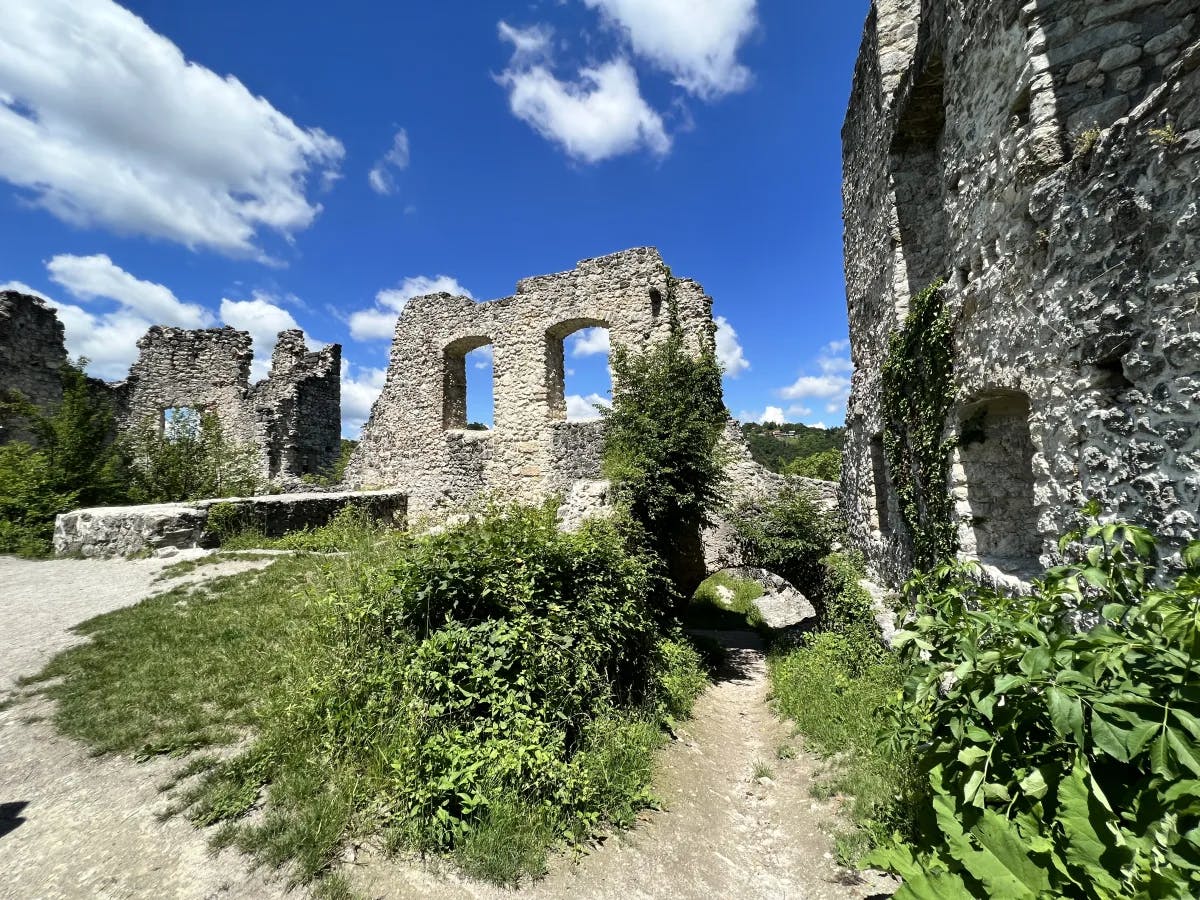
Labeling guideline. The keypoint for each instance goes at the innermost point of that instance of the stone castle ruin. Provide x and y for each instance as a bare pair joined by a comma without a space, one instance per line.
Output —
292,417
1043,158
417,437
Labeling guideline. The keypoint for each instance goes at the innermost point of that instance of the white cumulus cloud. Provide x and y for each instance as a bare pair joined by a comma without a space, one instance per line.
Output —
695,41
90,277
772,414
585,409
831,382
264,318
599,115
590,342
729,350
108,337
105,122
360,388
379,323
380,177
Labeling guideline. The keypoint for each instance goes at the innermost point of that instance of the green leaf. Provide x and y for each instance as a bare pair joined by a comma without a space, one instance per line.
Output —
1188,721
1034,784
1008,867
1191,557
1185,750
1084,820
970,755
1066,713
1035,661
1109,738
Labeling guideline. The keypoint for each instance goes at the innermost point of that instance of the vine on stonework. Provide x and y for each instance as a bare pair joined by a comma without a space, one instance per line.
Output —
918,395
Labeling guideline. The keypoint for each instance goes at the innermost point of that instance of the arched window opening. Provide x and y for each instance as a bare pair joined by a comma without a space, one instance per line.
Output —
995,452
468,389
578,377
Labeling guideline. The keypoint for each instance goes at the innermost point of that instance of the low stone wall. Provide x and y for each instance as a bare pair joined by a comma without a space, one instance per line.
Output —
126,530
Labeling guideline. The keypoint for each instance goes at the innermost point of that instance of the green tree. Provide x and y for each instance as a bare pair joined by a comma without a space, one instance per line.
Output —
826,465
661,448
73,463
189,459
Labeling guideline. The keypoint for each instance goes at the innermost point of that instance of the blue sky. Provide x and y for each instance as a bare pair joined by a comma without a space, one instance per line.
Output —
272,164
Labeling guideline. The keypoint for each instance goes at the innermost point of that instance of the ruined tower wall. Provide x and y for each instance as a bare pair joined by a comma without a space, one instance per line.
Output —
416,437
1044,159
292,417
32,353
203,369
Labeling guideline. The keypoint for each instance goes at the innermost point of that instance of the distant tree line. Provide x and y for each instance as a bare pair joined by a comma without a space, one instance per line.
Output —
796,449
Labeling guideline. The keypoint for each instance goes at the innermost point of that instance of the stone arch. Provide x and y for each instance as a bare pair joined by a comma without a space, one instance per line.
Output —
556,335
995,483
454,379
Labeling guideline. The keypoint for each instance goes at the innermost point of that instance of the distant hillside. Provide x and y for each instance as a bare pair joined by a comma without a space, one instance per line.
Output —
775,446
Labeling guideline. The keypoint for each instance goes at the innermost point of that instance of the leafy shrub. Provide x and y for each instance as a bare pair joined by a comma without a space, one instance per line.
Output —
826,465
483,691
191,460
30,497
661,448
788,535
842,603
1060,762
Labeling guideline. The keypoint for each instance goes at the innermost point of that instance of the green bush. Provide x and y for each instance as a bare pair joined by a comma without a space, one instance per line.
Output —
484,691
788,535
190,460
835,686
1060,762
661,448
31,495
842,603
826,465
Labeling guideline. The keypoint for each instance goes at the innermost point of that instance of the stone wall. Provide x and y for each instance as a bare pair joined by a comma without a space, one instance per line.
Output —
32,353
1044,159
126,530
416,438
293,416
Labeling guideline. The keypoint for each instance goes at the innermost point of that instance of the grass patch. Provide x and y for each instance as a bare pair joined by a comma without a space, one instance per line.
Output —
344,531
833,686
762,770
486,693
182,670
724,603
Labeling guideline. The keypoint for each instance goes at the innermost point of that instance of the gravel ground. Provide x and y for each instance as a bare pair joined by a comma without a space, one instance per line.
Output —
74,825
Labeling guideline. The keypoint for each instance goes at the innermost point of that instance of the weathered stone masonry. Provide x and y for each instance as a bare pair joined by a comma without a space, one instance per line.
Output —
293,416
416,437
32,354
1044,158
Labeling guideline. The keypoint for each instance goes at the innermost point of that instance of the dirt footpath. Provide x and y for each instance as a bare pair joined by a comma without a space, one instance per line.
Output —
74,825
723,833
